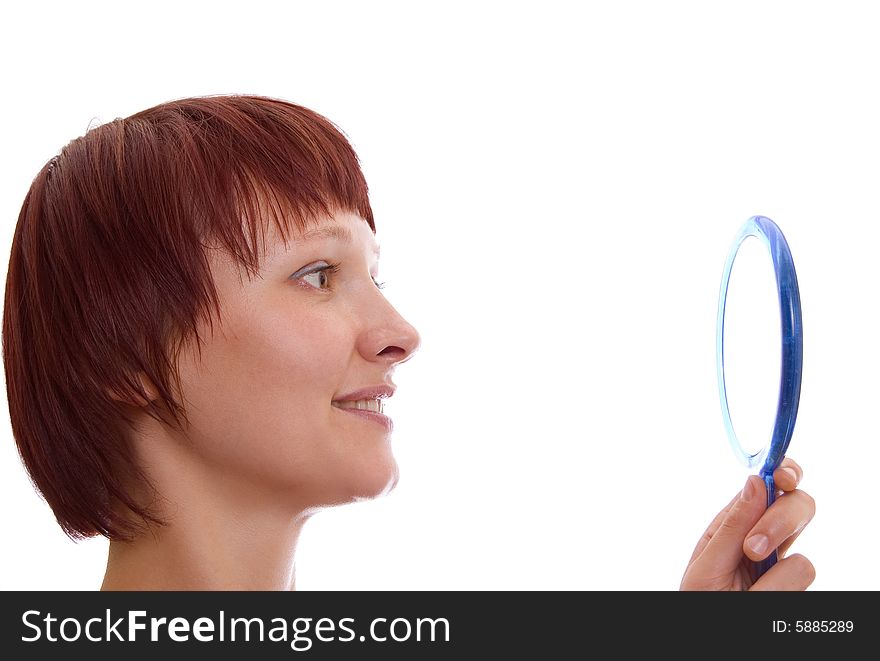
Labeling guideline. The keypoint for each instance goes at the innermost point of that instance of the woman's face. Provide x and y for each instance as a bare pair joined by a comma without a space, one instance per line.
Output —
285,394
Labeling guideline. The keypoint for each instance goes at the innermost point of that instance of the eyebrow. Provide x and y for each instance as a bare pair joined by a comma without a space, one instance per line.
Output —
330,232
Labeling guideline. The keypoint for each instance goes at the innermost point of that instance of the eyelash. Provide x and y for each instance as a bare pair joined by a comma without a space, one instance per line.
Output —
333,268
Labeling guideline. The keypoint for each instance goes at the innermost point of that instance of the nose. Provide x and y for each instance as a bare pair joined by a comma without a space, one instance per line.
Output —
390,338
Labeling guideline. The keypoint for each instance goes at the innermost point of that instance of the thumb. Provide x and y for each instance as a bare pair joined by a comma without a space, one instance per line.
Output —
725,550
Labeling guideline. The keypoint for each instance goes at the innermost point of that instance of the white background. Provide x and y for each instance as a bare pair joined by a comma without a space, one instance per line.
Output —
556,186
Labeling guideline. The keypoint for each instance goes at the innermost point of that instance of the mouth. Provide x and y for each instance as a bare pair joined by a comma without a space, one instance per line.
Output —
374,405
367,404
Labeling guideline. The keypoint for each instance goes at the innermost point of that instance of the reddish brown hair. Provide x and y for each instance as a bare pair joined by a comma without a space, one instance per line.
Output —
108,276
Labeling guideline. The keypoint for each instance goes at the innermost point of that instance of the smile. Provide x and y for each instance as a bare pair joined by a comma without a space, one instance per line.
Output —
374,405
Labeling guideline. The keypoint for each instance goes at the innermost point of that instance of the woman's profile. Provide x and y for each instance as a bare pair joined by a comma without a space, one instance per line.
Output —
197,351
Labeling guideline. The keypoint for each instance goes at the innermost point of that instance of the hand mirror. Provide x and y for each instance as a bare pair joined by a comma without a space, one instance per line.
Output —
759,350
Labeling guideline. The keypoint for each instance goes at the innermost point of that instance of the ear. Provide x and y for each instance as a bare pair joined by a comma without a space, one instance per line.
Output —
135,399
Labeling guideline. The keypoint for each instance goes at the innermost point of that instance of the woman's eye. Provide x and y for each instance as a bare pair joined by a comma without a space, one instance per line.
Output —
316,275
318,279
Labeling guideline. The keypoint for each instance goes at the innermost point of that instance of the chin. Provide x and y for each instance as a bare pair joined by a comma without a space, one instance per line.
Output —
364,480
378,481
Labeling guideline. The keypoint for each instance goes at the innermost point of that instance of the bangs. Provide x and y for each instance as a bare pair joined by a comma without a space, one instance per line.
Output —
243,162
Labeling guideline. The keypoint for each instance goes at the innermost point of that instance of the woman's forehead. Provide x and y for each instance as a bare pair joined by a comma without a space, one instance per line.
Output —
263,248
344,227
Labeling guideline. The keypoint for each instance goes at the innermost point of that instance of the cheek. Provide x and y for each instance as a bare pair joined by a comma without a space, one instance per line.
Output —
260,397
311,352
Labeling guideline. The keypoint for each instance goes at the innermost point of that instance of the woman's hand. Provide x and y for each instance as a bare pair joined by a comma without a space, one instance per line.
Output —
746,530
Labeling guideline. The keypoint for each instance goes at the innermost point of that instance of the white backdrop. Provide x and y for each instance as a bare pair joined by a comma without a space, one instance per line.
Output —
556,185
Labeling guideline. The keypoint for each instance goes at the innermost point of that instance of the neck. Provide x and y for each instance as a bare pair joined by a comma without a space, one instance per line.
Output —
221,532
253,555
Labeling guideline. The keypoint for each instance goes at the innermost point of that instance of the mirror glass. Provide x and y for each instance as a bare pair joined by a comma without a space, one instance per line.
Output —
752,345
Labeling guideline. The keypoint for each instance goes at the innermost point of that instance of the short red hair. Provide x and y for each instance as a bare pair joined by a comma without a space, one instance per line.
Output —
108,276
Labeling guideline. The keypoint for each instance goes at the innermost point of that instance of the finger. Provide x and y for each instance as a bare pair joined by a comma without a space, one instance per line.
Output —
784,519
723,551
783,548
788,475
792,573
712,528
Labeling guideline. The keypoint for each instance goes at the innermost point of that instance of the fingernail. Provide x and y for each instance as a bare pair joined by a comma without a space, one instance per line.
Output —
792,473
748,491
758,543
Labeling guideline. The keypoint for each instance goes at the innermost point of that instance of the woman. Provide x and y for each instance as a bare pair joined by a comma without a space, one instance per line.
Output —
196,417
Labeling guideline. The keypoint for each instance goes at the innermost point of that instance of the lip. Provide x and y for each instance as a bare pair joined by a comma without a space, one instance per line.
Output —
379,418
380,391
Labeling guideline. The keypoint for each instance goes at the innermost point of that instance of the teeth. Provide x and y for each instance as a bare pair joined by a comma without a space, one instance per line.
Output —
374,405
